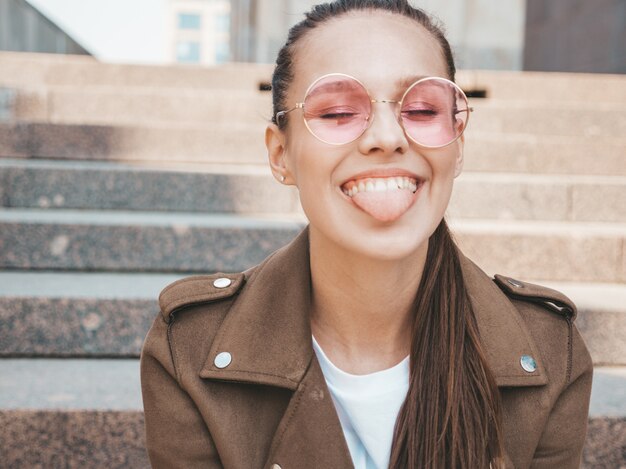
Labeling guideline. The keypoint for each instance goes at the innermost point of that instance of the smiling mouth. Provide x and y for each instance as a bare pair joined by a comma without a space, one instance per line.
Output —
384,198
379,184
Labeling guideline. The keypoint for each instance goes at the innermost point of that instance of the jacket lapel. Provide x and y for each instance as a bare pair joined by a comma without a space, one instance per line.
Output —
310,435
267,330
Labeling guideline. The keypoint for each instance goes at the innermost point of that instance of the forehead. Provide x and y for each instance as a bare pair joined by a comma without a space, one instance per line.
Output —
385,51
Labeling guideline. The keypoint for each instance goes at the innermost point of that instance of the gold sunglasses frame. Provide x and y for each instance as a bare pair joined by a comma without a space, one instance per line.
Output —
371,116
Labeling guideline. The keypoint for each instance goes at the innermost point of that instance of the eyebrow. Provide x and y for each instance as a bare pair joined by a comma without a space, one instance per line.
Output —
342,85
333,86
405,82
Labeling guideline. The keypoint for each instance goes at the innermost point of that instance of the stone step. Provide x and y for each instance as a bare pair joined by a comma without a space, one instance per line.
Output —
516,152
146,241
153,106
549,119
237,145
129,186
533,153
89,413
76,314
49,70
601,318
565,251
161,241
584,88
112,105
76,384
64,314
539,197
55,438
252,189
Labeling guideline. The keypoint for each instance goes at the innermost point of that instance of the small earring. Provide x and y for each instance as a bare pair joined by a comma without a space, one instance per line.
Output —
282,178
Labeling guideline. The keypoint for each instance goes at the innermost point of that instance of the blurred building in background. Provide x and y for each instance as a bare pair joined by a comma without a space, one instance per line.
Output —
260,27
484,34
555,35
24,29
575,36
199,31
559,35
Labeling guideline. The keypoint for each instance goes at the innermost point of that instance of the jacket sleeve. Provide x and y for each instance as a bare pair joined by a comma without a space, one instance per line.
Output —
176,435
563,437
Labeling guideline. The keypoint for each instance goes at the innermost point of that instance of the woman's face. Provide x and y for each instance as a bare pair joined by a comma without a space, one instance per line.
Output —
386,52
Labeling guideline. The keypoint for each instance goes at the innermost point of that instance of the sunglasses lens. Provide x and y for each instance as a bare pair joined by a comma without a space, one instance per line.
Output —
337,109
434,112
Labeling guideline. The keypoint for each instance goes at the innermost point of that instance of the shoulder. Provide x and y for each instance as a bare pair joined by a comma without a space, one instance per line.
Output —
549,316
547,298
191,310
209,292
198,290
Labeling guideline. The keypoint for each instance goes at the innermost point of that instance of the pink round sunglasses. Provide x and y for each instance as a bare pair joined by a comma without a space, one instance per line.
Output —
337,109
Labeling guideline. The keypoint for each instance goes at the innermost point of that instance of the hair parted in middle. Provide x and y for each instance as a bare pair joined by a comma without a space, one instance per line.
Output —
320,14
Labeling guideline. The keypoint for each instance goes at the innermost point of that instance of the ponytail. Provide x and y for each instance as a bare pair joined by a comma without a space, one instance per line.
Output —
451,415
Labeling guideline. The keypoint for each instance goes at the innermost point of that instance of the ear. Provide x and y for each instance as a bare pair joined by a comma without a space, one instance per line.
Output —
458,164
277,152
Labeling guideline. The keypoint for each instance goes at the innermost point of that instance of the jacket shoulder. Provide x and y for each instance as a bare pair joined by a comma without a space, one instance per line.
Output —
198,289
548,298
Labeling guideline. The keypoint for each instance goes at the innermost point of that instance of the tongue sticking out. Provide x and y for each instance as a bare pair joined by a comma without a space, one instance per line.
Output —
384,206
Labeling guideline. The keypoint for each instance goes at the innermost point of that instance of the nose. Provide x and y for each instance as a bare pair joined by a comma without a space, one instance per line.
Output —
385,134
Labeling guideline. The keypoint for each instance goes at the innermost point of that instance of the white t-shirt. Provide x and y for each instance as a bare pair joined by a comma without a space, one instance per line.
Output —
367,406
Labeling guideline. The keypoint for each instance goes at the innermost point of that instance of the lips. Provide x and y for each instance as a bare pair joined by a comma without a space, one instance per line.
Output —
385,197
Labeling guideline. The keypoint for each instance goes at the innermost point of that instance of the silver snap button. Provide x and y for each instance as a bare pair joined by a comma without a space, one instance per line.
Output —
515,283
528,363
221,282
223,359
276,466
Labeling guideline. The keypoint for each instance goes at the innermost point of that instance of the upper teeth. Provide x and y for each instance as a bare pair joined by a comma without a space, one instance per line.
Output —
379,185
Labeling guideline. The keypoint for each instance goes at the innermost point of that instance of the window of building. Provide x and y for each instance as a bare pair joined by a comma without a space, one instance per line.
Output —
222,22
188,52
222,52
189,21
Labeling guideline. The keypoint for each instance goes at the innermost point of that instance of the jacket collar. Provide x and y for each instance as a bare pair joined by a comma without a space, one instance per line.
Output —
268,334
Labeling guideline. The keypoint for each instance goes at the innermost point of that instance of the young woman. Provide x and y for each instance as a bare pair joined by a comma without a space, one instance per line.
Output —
370,341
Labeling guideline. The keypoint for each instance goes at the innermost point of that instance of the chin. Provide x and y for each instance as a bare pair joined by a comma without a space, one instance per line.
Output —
392,245
395,241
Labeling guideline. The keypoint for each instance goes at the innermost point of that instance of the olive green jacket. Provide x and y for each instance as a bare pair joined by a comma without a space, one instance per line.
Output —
265,404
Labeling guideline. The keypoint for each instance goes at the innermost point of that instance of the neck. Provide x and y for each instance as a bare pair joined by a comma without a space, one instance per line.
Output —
361,311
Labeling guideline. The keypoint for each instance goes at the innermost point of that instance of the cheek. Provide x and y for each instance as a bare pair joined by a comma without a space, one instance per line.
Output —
443,162
311,166
315,167
443,165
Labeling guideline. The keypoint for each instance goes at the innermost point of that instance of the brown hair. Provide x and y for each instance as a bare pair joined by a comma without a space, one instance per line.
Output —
452,412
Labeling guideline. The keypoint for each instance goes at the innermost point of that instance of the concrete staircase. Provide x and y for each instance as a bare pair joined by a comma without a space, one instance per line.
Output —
118,179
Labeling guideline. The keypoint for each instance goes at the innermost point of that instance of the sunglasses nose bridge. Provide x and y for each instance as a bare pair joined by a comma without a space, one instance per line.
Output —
395,110
396,104
384,101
